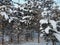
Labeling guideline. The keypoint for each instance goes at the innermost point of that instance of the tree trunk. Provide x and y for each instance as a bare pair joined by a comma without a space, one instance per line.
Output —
11,39
32,35
26,38
3,38
47,42
38,37
53,43
18,37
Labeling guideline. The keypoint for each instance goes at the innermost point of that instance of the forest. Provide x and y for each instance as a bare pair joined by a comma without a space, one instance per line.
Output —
32,21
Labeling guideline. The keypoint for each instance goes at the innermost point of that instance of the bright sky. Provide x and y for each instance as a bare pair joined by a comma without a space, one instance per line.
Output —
22,1
58,2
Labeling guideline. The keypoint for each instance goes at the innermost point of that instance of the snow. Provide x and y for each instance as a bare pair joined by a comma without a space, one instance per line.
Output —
45,9
22,20
5,15
41,35
21,8
6,38
41,28
14,11
44,13
48,0
39,6
57,36
11,18
43,21
30,10
15,5
49,11
47,30
21,12
10,11
53,23
25,9
3,6
26,17
54,6
40,3
59,7
57,23
33,43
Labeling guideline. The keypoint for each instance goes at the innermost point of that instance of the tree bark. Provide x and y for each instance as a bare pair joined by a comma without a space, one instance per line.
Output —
18,37
3,38
38,37
11,39
47,42
53,43
32,35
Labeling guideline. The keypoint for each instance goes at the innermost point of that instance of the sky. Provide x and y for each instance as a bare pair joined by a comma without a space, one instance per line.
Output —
58,2
22,1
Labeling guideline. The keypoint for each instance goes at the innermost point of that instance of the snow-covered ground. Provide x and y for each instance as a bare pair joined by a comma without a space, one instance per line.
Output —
34,43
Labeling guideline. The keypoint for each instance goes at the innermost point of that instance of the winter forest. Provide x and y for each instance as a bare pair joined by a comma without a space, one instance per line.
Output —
35,22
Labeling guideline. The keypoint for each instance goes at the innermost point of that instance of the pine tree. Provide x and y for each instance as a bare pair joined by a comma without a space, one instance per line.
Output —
47,13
